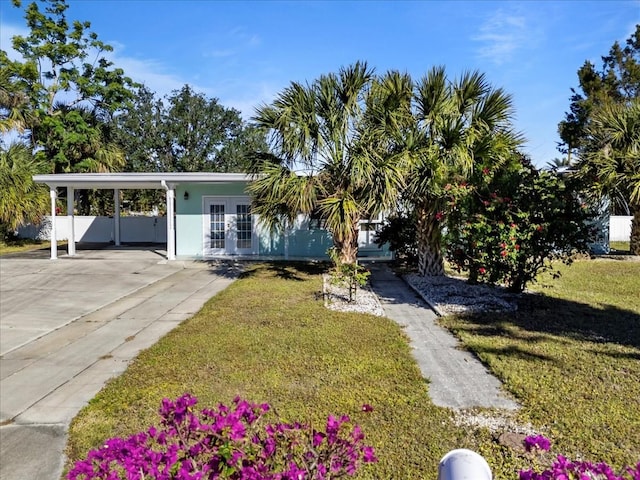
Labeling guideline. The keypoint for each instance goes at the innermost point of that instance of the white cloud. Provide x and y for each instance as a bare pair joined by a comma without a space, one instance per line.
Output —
502,36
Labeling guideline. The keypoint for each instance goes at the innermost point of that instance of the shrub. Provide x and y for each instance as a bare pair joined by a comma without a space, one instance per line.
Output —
511,226
228,443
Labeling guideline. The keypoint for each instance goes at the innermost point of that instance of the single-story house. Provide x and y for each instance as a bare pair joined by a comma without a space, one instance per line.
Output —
208,215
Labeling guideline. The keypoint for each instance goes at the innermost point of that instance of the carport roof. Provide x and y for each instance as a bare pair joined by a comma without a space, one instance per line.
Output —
131,180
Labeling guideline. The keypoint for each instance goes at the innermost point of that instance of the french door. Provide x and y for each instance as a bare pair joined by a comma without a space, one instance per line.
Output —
228,226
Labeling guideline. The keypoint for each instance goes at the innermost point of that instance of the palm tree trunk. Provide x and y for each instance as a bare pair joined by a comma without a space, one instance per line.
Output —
634,243
347,245
430,260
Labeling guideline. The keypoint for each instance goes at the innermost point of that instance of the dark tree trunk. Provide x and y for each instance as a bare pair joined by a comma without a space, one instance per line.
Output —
430,260
634,241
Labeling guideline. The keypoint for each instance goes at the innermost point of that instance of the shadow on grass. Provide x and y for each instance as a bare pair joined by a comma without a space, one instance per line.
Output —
286,270
539,315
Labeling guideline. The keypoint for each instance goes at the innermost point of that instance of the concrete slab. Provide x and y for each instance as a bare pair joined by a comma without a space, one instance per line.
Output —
68,326
457,378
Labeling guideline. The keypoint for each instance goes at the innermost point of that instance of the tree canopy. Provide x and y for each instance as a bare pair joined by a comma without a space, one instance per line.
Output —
62,90
617,80
185,132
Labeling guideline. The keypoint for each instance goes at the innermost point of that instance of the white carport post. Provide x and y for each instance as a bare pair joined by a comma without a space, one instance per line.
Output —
54,242
171,227
116,216
71,250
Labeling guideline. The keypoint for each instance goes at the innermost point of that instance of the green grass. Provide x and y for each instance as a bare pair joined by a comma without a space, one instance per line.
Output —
570,355
619,246
269,338
21,245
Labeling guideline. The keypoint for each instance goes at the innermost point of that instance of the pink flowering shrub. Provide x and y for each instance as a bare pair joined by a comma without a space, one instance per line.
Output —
228,443
564,469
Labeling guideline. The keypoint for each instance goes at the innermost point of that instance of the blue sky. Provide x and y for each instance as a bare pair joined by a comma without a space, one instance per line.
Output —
244,53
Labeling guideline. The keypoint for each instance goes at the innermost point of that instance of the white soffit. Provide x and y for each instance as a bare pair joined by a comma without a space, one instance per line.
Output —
136,180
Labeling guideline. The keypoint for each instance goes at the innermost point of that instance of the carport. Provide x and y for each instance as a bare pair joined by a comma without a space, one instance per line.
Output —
123,181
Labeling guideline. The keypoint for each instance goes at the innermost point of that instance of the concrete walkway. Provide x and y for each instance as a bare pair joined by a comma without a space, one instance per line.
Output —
457,378
70,325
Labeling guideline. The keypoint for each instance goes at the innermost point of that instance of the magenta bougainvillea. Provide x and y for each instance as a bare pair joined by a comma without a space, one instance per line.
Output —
229,442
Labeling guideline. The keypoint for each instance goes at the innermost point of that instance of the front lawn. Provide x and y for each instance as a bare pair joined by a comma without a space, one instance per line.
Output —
269,338
571,355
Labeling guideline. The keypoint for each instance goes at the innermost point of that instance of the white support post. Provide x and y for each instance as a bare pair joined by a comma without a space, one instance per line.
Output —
54,242
71,250
116,216
171,228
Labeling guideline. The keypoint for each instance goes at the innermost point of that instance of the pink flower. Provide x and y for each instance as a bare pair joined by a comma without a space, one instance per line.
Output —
367,408
485,171
482,270
439,216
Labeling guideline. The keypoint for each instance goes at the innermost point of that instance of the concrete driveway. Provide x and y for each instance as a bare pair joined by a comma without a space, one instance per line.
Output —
69,325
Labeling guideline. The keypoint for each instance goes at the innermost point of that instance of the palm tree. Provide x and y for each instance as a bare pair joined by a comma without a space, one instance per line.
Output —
610,165
558,163
330,155
460,127
22,201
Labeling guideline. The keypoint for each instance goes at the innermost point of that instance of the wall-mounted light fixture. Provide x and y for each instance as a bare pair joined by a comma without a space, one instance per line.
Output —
186,195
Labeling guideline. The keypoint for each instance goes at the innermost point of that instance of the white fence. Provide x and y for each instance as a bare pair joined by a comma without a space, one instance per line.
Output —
101,229
619,228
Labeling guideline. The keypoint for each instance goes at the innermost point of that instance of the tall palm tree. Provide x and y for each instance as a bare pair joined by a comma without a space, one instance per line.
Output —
460,127
610,165
330,157
22,201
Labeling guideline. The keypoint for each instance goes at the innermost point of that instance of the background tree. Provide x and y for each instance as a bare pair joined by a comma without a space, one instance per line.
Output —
609,164
182,132
328,132
21,200
62,89
460,128
616,82
185,132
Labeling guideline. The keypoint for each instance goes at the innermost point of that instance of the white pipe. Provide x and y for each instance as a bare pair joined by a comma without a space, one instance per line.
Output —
463,464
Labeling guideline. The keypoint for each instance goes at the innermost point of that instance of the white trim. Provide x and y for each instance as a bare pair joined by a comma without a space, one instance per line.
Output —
133,180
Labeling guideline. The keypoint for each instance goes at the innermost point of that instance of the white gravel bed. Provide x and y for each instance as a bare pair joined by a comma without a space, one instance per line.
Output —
336,297
448,295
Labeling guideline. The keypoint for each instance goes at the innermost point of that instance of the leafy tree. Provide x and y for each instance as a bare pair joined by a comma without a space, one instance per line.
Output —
514,223
460,127
62,89
185,132
22,201
610,162
334,133
617,82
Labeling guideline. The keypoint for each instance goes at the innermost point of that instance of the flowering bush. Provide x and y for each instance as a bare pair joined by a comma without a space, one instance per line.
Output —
228,443
563,469
513,223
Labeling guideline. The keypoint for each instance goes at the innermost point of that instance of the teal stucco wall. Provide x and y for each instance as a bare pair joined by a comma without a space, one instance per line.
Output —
301,242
